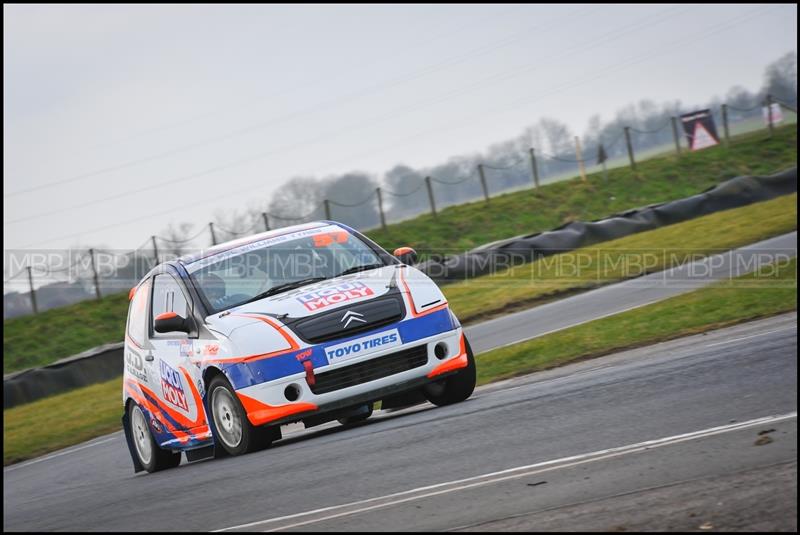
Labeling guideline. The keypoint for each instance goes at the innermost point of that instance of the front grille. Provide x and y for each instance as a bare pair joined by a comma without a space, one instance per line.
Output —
331,325
370,370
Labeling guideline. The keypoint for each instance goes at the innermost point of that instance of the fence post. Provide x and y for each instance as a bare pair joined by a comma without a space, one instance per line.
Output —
380,208
266,220
327,204
94,271
213,236
578,153
155,249
33,292
630,147
674,121
725,125
430,195
769,115
534,169
483,182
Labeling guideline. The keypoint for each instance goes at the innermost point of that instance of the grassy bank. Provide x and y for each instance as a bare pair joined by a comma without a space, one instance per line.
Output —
628,257
60,332
659,179
43,338
80,415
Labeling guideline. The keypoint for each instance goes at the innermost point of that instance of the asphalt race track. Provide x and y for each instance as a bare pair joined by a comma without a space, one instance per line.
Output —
687,434
523,453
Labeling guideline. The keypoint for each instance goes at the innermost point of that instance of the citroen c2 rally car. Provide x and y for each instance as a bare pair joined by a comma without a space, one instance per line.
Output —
309,323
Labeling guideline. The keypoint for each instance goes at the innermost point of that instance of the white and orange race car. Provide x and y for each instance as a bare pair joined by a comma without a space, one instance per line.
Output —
309,323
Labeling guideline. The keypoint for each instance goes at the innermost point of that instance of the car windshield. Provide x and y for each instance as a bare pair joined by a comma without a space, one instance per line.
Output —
279,264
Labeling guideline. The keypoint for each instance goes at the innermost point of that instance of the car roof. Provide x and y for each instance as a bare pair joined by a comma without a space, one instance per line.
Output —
232,244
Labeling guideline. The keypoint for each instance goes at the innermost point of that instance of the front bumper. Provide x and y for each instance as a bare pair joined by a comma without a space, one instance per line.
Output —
266,403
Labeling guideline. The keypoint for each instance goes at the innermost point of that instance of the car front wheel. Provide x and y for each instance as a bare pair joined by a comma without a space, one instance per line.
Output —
456,387
232,430
361,415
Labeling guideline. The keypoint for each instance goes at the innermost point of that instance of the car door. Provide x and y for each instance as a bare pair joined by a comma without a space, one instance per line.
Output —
178,377
139,361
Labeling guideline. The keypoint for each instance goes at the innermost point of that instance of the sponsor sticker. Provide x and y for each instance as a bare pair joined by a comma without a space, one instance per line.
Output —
135,366
211,350
172,386
363,346
304,354
324,240
156,425
326,297
184,346
268,242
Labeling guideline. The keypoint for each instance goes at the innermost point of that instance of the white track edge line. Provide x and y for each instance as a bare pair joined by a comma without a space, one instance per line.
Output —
555,463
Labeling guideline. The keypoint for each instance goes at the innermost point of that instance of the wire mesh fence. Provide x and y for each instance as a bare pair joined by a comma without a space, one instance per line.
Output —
39,280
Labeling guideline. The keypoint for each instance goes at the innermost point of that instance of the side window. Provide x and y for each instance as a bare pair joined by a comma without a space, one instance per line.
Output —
167,297
137,313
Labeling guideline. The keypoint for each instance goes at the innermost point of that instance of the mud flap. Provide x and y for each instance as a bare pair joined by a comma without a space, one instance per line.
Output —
217,452
198,454
126,426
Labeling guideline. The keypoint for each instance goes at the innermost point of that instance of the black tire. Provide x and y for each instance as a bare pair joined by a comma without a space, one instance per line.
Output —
403,400
229,424
455,388
349,420
150,455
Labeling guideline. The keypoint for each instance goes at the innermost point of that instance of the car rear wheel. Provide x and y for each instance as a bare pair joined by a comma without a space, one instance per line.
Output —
151,457
232,430
456,387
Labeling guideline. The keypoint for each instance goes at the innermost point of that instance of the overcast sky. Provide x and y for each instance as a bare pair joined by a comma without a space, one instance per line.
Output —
178,113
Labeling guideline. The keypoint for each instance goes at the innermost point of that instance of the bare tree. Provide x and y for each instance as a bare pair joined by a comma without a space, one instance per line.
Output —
740,97
297,199
534,137
405,192
173,242
594,130
349,189
234,224
781,77
557,134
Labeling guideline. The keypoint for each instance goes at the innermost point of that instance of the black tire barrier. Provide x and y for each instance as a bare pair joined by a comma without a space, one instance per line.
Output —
495,256
93,366
106,362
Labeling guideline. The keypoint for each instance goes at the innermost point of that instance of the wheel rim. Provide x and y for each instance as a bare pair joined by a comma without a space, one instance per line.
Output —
141,436
226,417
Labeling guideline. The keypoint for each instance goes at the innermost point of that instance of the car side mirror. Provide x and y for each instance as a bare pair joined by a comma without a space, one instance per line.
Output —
168,322
406,255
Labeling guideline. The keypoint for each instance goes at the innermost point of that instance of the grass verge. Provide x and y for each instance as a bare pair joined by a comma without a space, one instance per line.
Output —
770,291
623,258
62,420
66,419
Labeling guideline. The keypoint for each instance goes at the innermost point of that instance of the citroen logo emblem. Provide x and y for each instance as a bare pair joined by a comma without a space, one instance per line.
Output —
350,316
